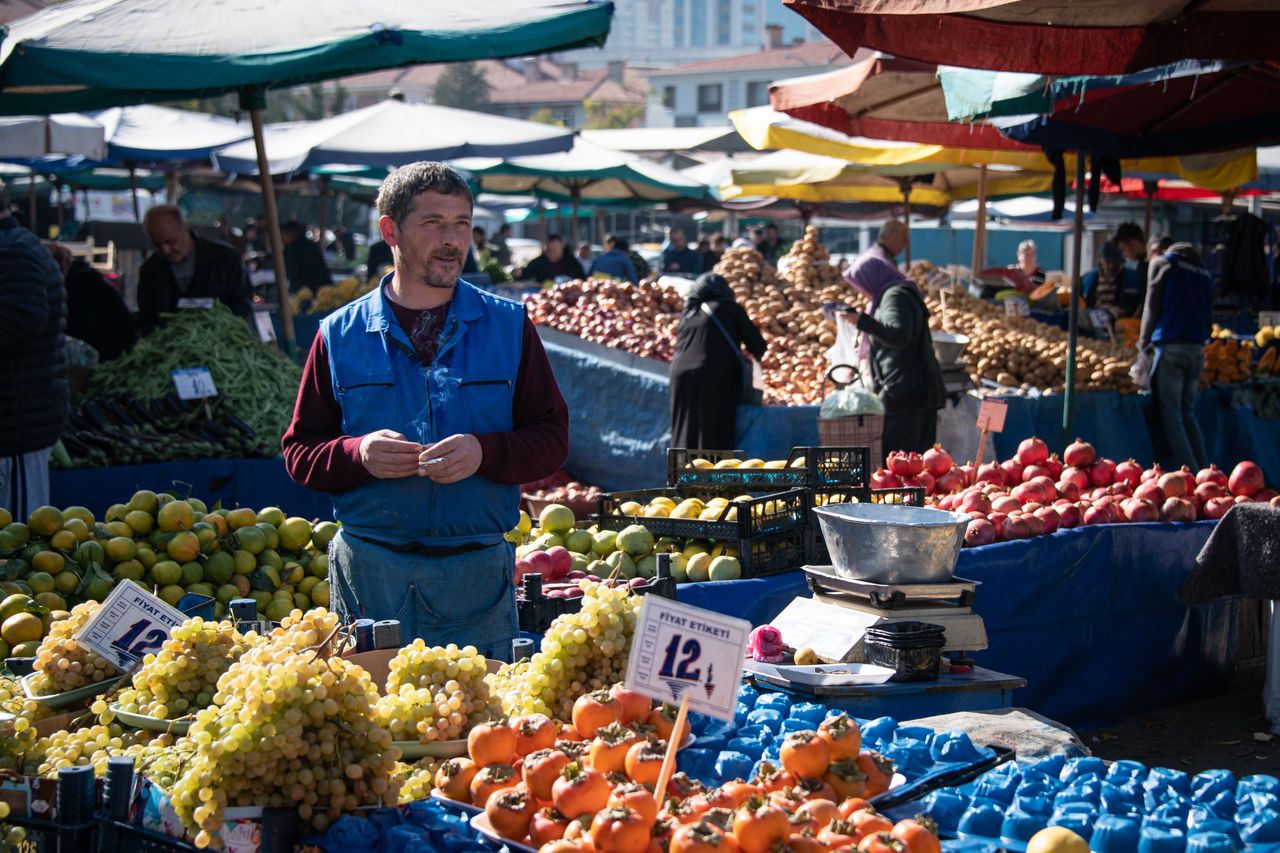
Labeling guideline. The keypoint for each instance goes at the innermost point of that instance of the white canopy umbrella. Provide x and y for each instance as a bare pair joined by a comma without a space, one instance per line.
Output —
68,134
150,134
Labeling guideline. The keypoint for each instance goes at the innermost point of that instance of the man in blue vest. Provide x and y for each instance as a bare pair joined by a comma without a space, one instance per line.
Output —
1175,324
424,405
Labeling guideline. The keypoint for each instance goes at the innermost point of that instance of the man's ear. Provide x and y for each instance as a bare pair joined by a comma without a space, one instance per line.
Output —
387,227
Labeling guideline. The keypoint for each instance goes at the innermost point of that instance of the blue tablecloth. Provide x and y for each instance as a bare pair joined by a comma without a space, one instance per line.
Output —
1089,617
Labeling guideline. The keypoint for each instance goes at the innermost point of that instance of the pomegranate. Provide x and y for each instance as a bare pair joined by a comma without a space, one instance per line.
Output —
1069,516
1055,466
937,461
1102,473
1097,514
1068,490
1216,508
1012,471
1178,509
1050,517
1031,451
1211,475
975,500
925,479
1025,493
1079,476
1120,490
1129,472
1006,504
1264,496
997,520
1275,502
946,502
1016,527
968,471
882,479
952,481
979,532
1150,491
915,462
1152,473
1048,486
1038,470
1242,499
1209,490
898,463
1245,479
1138,510
1079,454
1030,508
990,472
1189,478
1035,524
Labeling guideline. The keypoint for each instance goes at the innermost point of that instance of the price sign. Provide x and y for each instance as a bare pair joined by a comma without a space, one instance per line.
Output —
991,415
1017,306
1268,318
194,383
130,624
186,303
682,651
262,322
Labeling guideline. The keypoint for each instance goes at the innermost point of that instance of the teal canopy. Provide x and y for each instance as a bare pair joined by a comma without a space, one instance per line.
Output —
90,54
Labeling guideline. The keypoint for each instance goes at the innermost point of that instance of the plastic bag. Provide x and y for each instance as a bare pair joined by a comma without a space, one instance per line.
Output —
845,349
1141,370
850,400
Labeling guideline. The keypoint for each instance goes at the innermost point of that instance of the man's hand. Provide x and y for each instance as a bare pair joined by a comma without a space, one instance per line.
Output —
388,455
456,458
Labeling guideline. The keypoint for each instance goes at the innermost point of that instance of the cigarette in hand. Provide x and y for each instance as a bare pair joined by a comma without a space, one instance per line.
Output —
435,461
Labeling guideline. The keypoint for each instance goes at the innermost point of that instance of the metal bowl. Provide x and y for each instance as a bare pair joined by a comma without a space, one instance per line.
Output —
948,347
885,543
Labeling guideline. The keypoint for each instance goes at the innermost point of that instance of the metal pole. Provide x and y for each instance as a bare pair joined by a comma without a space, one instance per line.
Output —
1149,190
273,233
906,216
31,203
574,220
133,190
980,226
1073,314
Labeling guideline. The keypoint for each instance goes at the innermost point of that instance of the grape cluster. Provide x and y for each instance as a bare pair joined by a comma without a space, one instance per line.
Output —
436,693
182,678
62,664
11,837
162,759
289,727
17,735
580,652
417,779
90,746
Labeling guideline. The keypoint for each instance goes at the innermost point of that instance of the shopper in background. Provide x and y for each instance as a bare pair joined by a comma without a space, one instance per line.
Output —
303,261
553,263
770,247
1175,324
1132,241
896,343
96,313
715,250
1027,273
186,271
501,250
585,255
379,258
1157,246
677,257
890,242
706,371
616,262
34,395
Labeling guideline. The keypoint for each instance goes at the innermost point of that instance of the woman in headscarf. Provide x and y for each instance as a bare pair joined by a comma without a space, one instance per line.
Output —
895,341
706,372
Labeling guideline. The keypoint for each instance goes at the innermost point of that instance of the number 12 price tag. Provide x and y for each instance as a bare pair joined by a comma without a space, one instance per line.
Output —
683,651
130,624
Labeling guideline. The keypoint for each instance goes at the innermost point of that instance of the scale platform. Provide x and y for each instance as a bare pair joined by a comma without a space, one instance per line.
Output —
890,596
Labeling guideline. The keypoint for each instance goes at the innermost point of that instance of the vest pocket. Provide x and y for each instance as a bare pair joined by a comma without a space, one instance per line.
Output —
488,404
365,403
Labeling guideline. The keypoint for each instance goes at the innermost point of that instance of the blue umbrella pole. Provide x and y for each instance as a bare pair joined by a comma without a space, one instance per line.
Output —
1073,313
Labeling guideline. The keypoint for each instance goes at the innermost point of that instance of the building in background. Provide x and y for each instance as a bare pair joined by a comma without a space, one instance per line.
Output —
701,93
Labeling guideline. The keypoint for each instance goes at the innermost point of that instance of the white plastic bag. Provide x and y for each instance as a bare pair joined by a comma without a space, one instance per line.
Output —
845,349
1141,370
850,400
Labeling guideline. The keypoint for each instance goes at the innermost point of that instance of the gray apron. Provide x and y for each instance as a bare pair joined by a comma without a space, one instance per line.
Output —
467,599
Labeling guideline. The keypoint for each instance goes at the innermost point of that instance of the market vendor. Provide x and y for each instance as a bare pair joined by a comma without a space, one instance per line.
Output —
1113,286
1026,274
423,405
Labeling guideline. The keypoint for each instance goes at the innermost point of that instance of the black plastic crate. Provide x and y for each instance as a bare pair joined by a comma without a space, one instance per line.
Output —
826,495
768,533
117,836
822,466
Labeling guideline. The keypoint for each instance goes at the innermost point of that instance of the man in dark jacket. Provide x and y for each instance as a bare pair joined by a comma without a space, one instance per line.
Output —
96,313
303,260
33,384
187,271
553,263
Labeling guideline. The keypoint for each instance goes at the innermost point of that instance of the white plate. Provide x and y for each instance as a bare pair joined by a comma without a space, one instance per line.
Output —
414,750
151,724
824,674
59,700
480,823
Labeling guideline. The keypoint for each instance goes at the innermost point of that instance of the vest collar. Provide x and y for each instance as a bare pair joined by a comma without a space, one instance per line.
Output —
465,306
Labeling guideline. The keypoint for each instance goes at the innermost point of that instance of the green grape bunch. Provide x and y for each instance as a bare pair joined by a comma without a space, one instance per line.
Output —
182,677
62,664
436,693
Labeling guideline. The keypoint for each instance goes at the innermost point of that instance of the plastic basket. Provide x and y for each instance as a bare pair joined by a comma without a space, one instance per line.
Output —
823,496
861,430
912,649
806,466
769,533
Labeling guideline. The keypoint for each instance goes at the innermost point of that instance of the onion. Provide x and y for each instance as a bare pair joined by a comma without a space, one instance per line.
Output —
1245,479
1216,508
1211,475
979,532
1178,509
1031,451
937,461
1079,454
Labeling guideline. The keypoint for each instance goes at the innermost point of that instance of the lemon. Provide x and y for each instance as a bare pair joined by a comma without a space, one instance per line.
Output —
22,628
1056,839
18,602
176,515
40,582
67,581
140,522
48,562
120,549
272,515
523,526
46,521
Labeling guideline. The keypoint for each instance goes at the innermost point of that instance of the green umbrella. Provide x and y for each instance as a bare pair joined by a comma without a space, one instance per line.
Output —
92,54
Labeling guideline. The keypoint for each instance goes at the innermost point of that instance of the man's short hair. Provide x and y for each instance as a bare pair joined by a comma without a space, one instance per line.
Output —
403,185
769,225
163,211
293,226
554,237
504,227
1127,231
620,243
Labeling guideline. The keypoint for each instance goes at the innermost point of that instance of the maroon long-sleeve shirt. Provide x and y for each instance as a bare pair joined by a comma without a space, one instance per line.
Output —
317,454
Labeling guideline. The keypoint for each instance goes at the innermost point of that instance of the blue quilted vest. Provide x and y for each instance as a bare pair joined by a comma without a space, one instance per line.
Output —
380,384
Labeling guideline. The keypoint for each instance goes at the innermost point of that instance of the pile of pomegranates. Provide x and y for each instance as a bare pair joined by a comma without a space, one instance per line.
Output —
1037,492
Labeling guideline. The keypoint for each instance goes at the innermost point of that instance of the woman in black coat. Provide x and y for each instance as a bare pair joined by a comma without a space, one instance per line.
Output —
706,372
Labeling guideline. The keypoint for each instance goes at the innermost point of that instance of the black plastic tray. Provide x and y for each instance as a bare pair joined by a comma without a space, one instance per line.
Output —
895,804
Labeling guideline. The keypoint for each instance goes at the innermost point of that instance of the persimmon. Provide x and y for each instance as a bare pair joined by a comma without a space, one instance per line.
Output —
797,843
918,836
722,818
570,733
547,825
620,830
562,846
635,706
607,752
663,720
682,786
575,749
533,732
815,789
644,761
842,735
738,792
881,842
701,837
541,769
846,778
816,813
663,828
593,711
868,821
838,833
635,797
684,811
771,777
851,805
805,754
509,811
879,772
579,829
495,777
453,778
788,799
579,791
491,743
758,825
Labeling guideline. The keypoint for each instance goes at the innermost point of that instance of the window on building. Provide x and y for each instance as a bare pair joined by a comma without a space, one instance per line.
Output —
686,121
724,21
711,98
677,23
698,23
757,93
669,97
